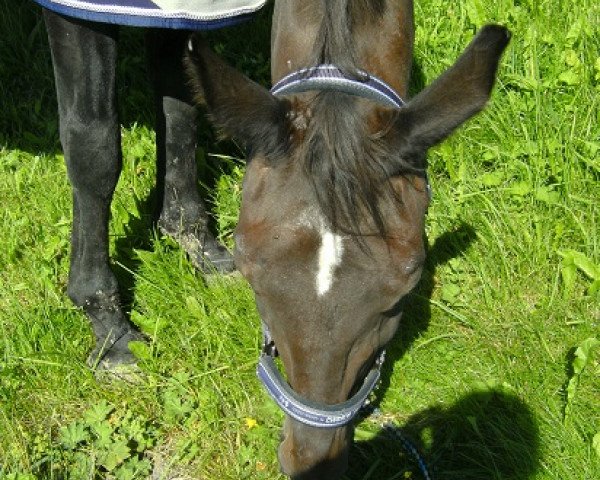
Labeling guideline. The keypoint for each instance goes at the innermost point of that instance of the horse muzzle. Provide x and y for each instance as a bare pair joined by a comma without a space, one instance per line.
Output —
312,453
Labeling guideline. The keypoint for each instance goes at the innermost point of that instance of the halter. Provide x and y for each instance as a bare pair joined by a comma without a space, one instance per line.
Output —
306,411
364,85
330,77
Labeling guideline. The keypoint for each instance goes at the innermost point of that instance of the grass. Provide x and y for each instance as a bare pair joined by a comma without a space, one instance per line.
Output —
494,372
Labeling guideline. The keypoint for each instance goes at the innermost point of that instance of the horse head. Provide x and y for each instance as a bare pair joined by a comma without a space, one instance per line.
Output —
331,228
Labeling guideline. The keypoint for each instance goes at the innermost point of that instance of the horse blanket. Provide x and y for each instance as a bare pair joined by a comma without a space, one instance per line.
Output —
177,14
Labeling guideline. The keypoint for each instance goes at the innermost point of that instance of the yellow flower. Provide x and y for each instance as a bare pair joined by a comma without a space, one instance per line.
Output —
250,422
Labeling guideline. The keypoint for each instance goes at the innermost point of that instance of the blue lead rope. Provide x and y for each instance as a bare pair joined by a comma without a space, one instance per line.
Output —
395,433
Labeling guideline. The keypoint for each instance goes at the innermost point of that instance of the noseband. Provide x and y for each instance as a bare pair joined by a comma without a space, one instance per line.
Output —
323,77
306,411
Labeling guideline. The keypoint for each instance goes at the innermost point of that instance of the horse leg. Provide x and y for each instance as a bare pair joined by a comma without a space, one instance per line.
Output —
181,212
84,59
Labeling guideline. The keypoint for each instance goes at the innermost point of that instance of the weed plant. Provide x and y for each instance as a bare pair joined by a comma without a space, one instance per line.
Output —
494,371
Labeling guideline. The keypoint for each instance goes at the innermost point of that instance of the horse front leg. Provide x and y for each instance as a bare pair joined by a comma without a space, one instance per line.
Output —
84,59
181,212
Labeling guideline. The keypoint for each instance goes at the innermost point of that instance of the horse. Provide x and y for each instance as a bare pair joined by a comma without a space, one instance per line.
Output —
83,45
331,228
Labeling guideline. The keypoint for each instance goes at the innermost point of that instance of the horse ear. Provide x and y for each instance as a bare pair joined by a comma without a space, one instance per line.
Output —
457,95
238,106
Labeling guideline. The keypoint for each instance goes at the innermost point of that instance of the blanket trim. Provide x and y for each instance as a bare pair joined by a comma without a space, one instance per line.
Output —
153,19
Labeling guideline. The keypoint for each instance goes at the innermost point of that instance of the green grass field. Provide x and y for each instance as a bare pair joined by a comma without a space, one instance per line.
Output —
495,370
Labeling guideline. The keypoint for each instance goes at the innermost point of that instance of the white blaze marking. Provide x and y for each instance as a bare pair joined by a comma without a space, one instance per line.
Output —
330,256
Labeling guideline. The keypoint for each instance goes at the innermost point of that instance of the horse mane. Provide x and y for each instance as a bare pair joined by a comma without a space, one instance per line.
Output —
348,167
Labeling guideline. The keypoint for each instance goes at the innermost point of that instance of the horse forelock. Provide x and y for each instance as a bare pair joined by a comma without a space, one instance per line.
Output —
348,165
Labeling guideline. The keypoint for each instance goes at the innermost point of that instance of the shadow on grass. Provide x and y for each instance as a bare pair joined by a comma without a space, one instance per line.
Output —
416,307
138,236
486,435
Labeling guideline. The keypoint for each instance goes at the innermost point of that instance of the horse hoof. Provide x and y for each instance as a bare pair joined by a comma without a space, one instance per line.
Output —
204,251
117,355
117,364
214,258
128,373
